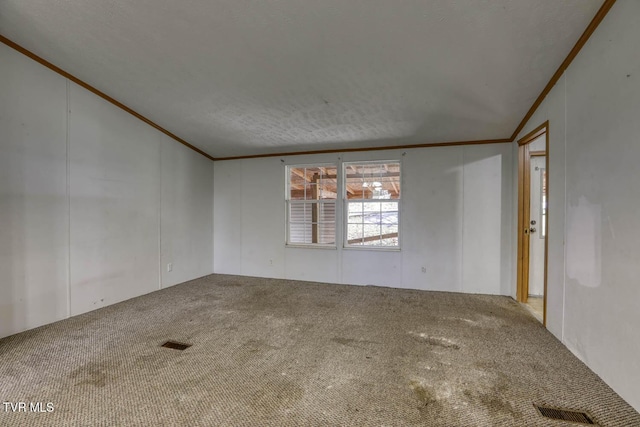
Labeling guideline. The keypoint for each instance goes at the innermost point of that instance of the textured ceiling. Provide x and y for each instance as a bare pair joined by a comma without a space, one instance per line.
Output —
240,77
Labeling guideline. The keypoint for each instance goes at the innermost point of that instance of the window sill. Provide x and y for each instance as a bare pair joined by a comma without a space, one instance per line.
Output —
309,246
372,248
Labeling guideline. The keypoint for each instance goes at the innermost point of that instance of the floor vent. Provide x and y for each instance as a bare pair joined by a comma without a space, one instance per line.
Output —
564,415
176,345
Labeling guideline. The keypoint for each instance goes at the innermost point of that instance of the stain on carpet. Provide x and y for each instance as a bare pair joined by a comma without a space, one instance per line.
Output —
94,374
493,400
424,394
435,341
428,406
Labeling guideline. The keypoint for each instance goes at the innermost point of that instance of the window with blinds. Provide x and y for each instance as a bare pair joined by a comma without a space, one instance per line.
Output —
311,205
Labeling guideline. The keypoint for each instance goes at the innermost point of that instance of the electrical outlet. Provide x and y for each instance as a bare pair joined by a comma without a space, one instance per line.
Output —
170,267
424,269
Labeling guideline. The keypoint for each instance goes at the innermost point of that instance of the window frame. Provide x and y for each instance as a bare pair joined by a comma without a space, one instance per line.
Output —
345,207
289,202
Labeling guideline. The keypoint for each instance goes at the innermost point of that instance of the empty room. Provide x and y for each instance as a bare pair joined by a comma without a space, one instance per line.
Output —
333,213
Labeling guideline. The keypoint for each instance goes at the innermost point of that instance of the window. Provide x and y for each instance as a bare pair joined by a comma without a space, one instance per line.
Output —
311,205
372,198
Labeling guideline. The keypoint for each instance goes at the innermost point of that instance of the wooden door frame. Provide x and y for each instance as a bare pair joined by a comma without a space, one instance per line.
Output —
524,213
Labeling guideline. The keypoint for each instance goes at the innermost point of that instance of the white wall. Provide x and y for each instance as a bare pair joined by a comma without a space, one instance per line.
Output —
89,195
186,216
115,194
34,218
456,221
593,293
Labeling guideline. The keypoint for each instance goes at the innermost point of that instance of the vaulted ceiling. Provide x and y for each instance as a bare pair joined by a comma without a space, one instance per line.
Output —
240,77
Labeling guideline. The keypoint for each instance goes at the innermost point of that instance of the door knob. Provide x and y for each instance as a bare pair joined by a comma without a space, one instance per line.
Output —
532,229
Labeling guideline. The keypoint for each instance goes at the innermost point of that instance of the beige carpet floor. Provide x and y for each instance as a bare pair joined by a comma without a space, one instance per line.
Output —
285,353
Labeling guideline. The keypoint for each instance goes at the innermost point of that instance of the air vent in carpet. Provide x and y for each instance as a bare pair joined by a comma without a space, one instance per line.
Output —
564,415
176,345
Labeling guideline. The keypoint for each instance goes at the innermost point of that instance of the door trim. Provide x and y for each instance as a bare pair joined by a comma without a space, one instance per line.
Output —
524,213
